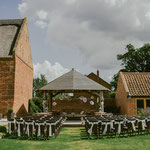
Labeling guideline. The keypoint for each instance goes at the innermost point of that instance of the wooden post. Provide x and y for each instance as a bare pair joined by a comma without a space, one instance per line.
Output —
102,101
51,102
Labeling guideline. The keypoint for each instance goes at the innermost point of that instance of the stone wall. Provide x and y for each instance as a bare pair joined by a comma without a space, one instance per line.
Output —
7,69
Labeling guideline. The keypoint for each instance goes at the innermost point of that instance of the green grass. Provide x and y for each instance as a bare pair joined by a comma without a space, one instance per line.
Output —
72,139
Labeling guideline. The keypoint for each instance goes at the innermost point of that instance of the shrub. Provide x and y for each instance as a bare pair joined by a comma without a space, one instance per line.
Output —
142,112
35,105
112,94
10,110
3,129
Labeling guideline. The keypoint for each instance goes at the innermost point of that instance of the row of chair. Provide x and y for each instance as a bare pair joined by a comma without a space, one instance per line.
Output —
36,126
116,125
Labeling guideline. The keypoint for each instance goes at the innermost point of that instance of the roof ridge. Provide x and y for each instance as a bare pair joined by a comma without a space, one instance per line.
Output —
136,72
99,77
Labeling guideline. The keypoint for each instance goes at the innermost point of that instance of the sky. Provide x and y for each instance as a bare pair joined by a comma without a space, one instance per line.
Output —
82,34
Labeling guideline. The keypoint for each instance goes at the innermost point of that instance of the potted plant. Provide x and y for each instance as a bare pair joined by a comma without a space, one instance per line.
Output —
10,114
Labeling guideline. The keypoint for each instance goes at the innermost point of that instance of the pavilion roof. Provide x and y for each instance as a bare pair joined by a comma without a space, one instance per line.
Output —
73,80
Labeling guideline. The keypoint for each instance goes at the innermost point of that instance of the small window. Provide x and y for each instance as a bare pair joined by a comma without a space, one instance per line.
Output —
148,103
140,104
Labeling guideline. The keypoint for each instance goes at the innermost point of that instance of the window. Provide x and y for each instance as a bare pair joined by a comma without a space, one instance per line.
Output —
148,103
140,104
143,104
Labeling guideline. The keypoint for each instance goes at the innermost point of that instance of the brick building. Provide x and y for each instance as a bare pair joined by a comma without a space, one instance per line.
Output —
133,92
16,68
98,79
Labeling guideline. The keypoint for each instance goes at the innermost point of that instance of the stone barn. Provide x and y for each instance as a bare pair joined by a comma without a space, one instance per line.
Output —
16,68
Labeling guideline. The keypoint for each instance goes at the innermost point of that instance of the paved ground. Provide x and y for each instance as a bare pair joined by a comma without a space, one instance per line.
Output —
3,122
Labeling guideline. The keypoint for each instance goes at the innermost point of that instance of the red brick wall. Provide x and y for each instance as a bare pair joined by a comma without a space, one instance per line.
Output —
7,67
16,75
132,106
23,86
22,46
127,105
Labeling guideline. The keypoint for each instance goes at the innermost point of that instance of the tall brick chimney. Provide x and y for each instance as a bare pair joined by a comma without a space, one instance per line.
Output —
98,73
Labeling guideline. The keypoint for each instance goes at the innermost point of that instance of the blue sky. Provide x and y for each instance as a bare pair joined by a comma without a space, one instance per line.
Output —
82,34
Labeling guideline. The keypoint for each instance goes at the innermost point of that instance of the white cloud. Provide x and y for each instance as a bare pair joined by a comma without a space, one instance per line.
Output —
42,14
41,24
51,71
98,29
22,7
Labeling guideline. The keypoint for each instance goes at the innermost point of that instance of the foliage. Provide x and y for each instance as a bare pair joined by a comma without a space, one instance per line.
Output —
3,129
35,105
112,94
37,84
134,60
10,110
142,112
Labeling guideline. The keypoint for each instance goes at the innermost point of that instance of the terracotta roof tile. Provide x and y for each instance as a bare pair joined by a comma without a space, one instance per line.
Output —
138,83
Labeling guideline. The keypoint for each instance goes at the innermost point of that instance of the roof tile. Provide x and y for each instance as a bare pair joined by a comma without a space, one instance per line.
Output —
138,83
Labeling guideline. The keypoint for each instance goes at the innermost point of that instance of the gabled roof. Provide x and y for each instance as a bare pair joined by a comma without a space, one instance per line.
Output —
99,80
73,80
9,30
137,84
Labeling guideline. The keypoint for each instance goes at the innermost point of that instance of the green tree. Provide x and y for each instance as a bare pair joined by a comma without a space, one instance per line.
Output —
134,60
37,84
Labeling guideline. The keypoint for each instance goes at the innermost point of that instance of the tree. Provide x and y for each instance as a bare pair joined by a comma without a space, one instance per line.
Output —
134,60
35,105
37,84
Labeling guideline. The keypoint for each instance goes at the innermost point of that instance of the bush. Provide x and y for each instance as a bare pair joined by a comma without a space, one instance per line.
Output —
112,94
3,129
142,112
10,110
35,105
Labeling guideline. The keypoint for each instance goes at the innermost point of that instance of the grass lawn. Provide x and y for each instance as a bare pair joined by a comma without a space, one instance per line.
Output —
72,139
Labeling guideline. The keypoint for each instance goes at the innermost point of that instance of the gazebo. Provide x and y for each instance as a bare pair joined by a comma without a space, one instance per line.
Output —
76,83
